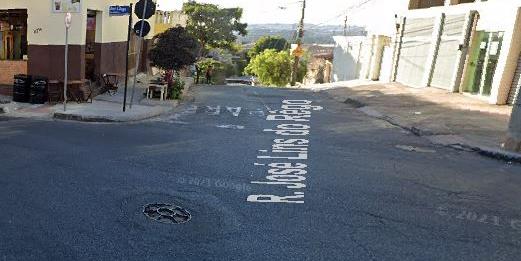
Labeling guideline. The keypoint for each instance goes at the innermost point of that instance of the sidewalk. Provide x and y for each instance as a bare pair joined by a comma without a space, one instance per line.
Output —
105,108
445,118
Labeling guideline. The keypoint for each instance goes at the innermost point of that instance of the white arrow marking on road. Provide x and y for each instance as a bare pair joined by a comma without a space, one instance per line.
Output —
191,110
259,113
234,110
213,110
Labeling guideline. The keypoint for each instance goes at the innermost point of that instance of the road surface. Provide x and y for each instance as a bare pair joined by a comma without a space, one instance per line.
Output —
323,182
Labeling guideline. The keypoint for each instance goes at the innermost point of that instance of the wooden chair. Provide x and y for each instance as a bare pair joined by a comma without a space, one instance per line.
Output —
89,86
110,83
55,92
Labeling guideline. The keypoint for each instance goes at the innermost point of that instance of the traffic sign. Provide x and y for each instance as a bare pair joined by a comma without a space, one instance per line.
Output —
146,28
117,10
68,20
149,11
298,52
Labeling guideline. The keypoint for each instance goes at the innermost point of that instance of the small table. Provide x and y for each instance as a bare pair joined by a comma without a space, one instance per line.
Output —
162,88
74,91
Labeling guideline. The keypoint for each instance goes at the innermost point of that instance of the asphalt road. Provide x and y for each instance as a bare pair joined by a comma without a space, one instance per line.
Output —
357,188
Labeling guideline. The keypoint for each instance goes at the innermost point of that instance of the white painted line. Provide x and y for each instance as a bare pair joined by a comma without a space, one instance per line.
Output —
234,127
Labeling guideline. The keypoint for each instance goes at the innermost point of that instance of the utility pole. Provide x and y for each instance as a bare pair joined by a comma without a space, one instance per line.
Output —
298,51
345,26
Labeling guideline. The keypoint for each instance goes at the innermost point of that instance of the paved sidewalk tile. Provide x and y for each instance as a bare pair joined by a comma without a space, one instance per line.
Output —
447,118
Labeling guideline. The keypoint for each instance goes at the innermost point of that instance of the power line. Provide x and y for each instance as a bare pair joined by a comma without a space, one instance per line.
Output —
343,13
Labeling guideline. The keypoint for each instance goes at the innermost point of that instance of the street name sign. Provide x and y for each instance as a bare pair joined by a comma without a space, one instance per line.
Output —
119,10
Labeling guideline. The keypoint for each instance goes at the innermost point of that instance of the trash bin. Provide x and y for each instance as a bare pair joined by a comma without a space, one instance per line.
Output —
39,90
22,88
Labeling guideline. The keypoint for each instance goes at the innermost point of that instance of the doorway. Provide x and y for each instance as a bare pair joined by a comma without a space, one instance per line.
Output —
7,44
483,62
90,46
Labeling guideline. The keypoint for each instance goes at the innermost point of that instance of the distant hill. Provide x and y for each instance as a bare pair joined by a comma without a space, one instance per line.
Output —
314,34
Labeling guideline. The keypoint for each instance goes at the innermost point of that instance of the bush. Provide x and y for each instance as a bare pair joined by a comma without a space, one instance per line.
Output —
268,42
273,68
175,89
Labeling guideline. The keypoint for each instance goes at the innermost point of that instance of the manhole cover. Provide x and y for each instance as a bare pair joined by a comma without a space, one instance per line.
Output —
167,213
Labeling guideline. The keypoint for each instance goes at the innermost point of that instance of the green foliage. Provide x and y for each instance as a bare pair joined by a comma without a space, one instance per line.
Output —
214,27
268,42
271,67
303,67
240,66
205,63
176,88
174,49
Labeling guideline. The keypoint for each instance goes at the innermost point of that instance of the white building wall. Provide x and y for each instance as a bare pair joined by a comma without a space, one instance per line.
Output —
494,15
40,16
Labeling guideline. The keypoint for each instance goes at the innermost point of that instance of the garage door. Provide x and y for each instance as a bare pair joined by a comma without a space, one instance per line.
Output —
416,44
516,84
447,57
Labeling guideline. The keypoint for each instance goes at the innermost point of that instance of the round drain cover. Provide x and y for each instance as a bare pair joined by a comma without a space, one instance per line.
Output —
167,213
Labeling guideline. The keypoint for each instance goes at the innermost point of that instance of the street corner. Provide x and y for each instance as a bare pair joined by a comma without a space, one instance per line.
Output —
107,112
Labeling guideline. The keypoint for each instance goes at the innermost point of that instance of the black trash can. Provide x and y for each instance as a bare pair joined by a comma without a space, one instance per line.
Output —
39,90
22,88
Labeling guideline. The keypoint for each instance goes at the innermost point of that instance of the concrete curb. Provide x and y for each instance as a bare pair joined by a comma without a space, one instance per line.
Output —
484,151
418,131
500,154
109,119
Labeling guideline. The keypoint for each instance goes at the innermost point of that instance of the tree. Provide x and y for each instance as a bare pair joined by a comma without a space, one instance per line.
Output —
273,68
174,49
268,42
214,27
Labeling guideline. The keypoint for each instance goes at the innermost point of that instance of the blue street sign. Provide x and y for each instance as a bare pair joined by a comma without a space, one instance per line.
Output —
119,10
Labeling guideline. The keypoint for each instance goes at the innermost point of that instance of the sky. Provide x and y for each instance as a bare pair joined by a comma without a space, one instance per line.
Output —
317,12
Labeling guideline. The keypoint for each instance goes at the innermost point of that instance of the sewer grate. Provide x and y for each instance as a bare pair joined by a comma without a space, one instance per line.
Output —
167,213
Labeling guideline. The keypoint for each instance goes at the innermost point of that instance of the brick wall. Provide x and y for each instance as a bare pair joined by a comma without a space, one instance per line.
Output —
8,69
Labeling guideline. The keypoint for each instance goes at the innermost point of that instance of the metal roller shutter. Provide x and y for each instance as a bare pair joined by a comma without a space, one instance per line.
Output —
516,84
447,57
414,52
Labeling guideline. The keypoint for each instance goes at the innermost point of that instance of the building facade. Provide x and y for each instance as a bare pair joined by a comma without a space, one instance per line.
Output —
361,57
467,46
33,39
168,19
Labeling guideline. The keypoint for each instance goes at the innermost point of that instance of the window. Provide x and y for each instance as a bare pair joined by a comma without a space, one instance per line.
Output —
419,4
465,1
13,34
